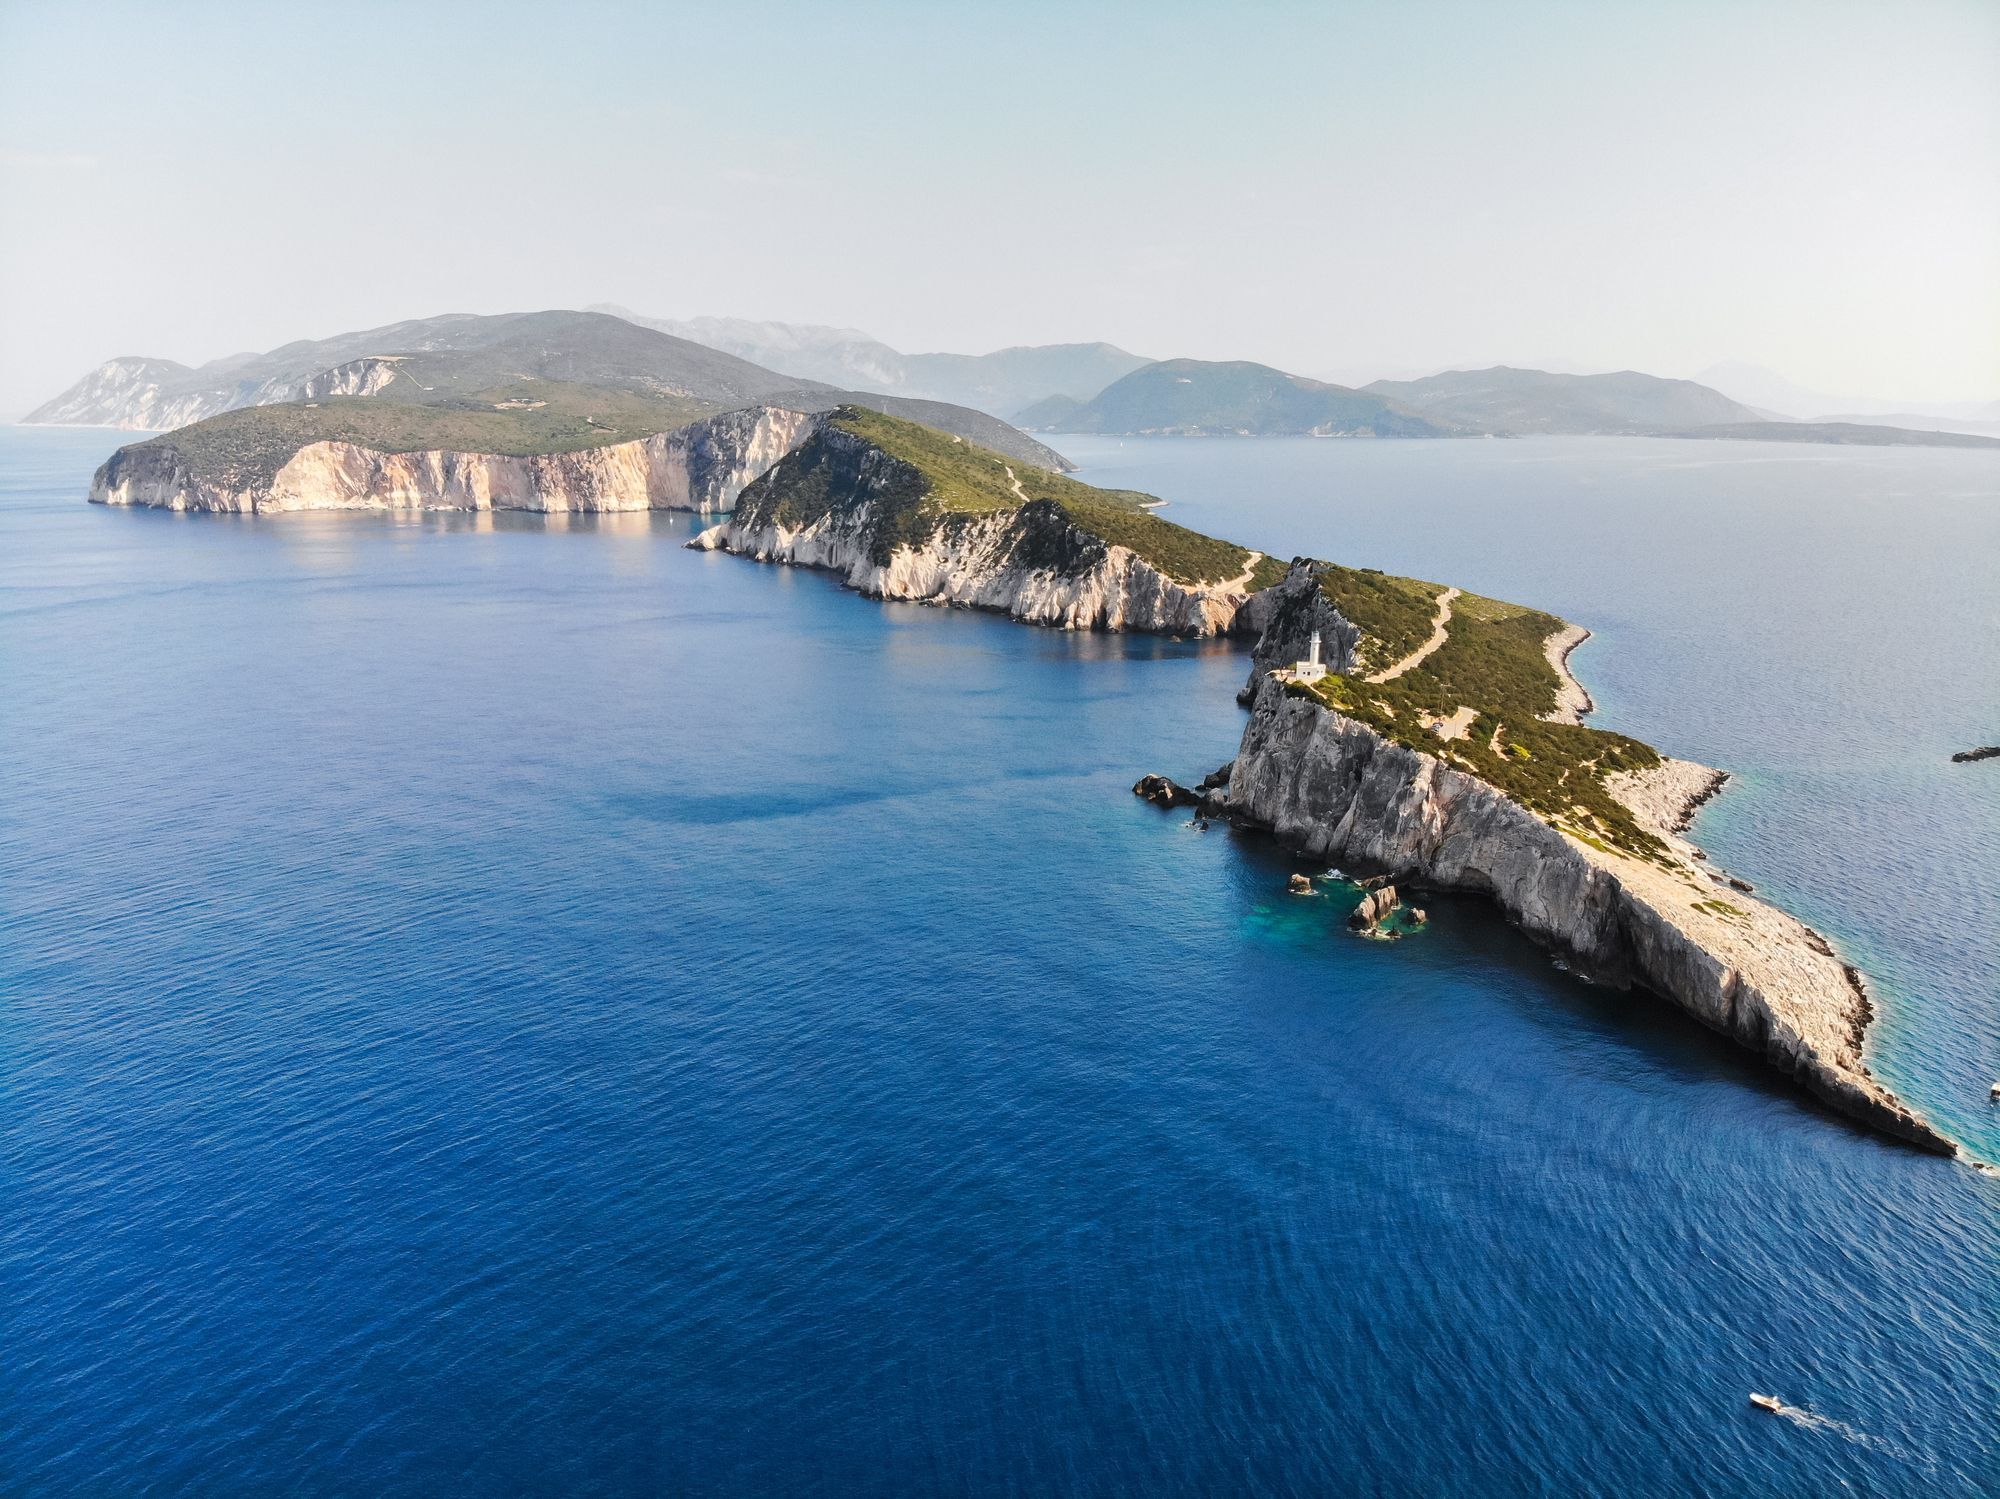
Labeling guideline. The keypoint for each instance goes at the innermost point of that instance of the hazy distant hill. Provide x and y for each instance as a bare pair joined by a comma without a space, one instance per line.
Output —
1838,432
1516,401
1915,421
1002,382
1775,396
463,360
1198,398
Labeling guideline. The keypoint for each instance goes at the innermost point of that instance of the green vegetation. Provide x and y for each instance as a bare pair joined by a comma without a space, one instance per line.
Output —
1394,615
937,475
1269,573
250,445
1494,660
1723,909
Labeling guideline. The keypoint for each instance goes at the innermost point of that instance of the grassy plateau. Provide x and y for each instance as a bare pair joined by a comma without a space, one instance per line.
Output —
1494,661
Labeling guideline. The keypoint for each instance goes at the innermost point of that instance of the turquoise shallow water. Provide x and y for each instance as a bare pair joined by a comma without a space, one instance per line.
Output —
509,1005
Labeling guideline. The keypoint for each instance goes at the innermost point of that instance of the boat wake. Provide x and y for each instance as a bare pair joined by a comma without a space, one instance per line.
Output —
1812,1420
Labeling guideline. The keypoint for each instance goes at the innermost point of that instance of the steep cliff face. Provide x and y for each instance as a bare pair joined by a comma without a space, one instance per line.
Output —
1283,620
703,466
136,394
357,377
1339,790
154,395
1033,562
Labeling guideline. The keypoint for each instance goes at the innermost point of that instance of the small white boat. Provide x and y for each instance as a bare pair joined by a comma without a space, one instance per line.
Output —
1766,1402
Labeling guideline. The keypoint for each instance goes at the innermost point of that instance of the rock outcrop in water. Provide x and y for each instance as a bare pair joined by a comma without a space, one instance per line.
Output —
1376,907
702,466
1163,791
1339,790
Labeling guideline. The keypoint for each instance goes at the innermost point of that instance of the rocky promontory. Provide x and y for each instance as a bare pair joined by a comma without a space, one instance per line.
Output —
1573,831
901,512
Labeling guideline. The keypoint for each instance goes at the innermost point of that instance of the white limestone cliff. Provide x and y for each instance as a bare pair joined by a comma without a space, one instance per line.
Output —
136,394
703,466
973,562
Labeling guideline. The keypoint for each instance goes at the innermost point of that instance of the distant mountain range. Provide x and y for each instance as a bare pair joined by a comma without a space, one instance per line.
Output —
1191,397
1199,398
478,365
1002,382
712,364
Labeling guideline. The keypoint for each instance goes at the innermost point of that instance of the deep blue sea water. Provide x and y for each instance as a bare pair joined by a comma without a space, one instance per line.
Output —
503,1005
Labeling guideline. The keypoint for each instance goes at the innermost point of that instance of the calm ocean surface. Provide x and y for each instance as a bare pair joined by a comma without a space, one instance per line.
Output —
501,1006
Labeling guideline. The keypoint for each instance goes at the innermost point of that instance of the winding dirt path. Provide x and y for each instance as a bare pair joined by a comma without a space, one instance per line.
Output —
1440,632
1015,484
1241,582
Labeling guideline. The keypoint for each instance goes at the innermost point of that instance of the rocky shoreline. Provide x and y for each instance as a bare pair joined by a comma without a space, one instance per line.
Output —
1573,700
1667,797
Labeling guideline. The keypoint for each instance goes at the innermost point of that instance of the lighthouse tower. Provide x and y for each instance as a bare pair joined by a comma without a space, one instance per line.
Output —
1312,668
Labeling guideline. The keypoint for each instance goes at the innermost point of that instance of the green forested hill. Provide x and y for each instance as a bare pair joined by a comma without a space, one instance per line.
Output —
1198,398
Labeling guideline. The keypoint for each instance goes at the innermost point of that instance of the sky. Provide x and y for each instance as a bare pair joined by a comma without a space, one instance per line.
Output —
1343,189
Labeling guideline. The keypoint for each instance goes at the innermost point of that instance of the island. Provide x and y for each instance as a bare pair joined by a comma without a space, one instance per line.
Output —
1430,734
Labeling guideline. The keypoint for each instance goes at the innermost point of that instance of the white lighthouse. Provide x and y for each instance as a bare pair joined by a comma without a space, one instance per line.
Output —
1312,668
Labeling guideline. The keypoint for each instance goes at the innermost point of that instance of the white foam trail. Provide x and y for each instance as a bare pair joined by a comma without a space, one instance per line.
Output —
1814,1421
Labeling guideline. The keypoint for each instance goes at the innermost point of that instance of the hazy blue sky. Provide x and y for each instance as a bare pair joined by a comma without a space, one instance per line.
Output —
1355,188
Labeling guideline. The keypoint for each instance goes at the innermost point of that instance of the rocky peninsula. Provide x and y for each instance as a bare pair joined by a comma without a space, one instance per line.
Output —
1626,897
1575,832
1443,745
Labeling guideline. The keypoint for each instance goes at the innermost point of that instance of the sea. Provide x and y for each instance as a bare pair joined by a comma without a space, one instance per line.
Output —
502,1005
